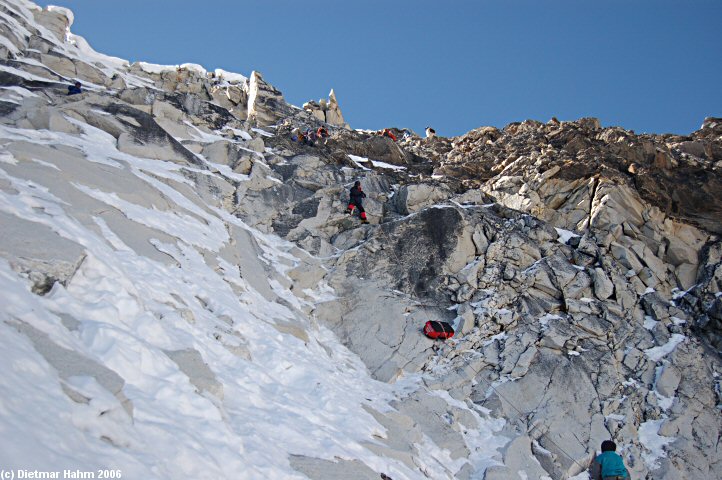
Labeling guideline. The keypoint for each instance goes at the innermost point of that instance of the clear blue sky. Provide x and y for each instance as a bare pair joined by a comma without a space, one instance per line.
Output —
646,65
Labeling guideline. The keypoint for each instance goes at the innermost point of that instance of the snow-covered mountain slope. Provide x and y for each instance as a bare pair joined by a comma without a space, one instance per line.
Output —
144,328
183,294
188,348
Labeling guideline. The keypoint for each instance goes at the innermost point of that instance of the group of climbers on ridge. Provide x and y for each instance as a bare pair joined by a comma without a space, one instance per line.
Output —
386,132
606,466
309,136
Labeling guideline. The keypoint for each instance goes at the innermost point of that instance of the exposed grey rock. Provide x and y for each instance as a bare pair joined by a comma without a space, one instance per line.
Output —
603,286
465,320
191,363
412,198
38,252
668,380
57,21
320,469
518,457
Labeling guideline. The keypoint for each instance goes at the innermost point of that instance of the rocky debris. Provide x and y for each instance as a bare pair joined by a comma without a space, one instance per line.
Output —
432,149
706,140
185,79
232,97
372,146
561,163
704,298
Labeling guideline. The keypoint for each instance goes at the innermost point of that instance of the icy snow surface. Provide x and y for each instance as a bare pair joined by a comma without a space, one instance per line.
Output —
564,235
230,76
387,166
649,322
376,163
657,353
359,161
653,443
289,396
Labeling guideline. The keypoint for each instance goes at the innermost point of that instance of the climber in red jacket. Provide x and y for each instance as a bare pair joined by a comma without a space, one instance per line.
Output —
388,133
356,196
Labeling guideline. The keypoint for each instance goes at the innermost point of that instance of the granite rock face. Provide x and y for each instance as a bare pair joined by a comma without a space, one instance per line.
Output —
575,289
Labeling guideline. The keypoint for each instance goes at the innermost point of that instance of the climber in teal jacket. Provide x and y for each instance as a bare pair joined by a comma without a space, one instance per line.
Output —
608,465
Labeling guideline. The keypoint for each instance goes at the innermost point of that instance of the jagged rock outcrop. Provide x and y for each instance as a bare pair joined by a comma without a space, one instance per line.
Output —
265,103
558,161
326,111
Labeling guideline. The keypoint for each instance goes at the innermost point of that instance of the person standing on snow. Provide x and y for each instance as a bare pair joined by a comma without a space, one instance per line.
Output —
356,196
609,465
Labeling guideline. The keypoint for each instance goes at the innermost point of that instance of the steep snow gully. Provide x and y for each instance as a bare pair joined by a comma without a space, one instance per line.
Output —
183,295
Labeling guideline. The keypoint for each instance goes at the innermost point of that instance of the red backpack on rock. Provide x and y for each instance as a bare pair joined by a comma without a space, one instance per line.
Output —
434,329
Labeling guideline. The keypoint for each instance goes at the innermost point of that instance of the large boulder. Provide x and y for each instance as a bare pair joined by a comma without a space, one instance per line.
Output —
56,19
412,198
